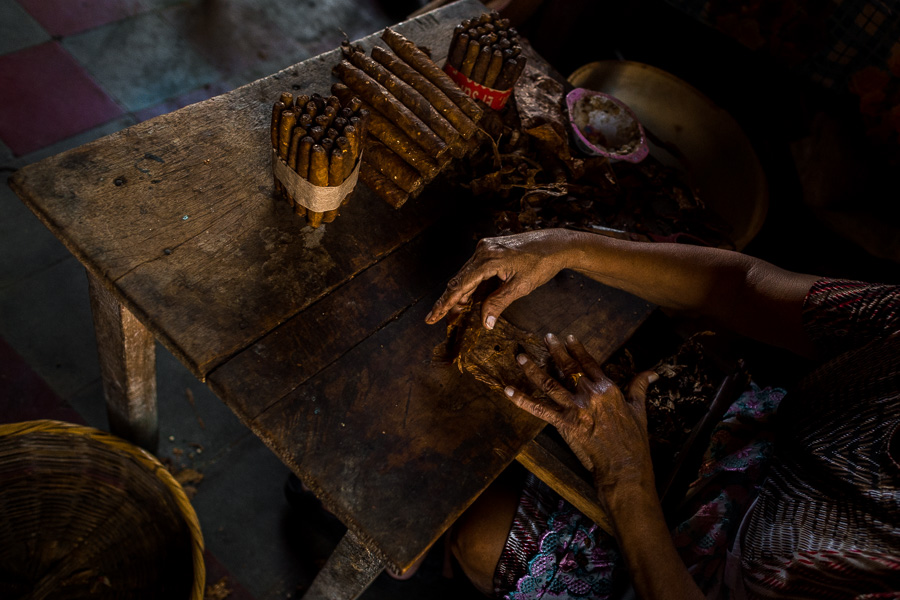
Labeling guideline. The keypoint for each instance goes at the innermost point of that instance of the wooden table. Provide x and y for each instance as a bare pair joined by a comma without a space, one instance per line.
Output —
314,338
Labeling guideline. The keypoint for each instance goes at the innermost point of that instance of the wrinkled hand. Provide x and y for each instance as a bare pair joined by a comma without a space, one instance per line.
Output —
522,262
605,428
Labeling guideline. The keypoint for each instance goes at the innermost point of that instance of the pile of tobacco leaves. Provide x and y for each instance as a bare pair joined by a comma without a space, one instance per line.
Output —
528,174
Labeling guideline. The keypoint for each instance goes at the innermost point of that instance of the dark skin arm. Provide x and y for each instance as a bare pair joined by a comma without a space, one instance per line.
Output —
746,295
607,429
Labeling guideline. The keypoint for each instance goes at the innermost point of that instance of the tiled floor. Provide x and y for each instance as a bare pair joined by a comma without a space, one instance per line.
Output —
74,70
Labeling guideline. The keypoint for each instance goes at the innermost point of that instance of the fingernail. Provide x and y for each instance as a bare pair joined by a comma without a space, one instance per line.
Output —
550,337
428,316
490,322
570,338
653,377
522,359
509,391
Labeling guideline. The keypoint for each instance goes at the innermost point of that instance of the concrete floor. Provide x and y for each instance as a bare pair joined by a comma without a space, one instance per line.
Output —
72,75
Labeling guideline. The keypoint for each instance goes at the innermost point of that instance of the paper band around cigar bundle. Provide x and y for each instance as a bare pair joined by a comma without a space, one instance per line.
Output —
495,99
313,197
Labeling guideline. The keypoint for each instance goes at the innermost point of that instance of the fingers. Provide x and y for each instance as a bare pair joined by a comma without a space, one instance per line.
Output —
590,366
459,289
543,411
498,301
548,384
637,389
561,357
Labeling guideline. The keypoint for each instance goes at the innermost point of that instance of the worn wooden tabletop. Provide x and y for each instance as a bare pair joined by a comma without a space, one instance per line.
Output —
314,338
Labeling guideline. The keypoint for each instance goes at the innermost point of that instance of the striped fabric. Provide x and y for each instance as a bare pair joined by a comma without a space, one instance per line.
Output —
827,522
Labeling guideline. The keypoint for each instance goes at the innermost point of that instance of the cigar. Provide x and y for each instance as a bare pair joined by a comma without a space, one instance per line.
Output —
339,123
312,109
458,46
420,61
285,126
429,90
335,177
381,100
332,133
510,72
296,136
481,65
333,102
317,132
305,121
287,98
343,144
386,162
277,109
326,117
326,143
353,142
493,69
318,175
303,151
382,186
407,95
471,56
319,101
300,102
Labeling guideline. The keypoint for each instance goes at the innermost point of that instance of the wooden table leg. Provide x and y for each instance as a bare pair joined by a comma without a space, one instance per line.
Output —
128,368
350,569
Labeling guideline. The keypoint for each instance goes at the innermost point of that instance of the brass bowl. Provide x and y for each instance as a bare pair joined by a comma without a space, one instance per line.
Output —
703,140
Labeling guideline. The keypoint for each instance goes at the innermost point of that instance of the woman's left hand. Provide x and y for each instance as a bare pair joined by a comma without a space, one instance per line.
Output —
606,428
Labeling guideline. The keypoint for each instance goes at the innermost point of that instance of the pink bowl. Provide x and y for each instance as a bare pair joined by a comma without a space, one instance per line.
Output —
604,125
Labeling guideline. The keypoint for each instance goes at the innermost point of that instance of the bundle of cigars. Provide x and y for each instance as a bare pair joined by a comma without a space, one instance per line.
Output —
319,139
485,51
419,119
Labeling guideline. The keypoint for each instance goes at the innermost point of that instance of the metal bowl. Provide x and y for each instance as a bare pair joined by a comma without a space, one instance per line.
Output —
686,130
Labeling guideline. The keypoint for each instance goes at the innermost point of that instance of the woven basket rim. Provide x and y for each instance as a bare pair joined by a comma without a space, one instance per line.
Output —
144,459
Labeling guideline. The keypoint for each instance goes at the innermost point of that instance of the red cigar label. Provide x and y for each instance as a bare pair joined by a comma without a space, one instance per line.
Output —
495,99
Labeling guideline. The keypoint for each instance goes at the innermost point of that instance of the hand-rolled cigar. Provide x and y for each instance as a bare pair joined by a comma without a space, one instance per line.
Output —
303,152
305,121
407,95
345,113
287,98
335,177
351,134
503,23
382,186
333,102
285,126
319,100
317,132
431,92
392,166
471,57
326,143
300,102
485,18
420,61
277,109
312,109
318,175
488,39
481,65
332,133
510,72
493,69
504,44
329,113
323,121
379,98
339,123
296,136
458,47
343,144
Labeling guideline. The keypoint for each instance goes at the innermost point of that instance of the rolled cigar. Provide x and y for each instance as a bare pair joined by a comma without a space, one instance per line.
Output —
323,121
339,123
303,152
517,65
345,113
318,175
332,133
480,31
488,39
481,65
335,177
378,97
351,134
296,136
305,121
312,109
343,144
418,60
485,18
285,126
493,69
319,100
333,102
512,32
504,44
503,23
516,50
382,186
300,102
317,132
287,98
277,109
392,166
326,143
355,103
458,47
472,52
431,92
363,124
330,112
406,94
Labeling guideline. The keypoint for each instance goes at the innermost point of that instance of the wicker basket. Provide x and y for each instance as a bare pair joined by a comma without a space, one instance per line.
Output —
84,514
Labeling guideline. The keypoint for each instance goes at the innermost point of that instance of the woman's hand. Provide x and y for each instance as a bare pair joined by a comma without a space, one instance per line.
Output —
605,428
522,262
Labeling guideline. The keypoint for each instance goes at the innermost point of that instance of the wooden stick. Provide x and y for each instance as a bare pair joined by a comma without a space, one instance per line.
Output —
381,100
420,61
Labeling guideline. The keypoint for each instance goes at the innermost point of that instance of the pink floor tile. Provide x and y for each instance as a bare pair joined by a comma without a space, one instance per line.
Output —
65,17
47,97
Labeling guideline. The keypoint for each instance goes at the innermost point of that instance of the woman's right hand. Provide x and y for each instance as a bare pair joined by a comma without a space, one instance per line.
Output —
522,262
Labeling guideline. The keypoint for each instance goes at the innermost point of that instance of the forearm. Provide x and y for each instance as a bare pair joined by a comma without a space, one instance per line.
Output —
656,569
745,294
